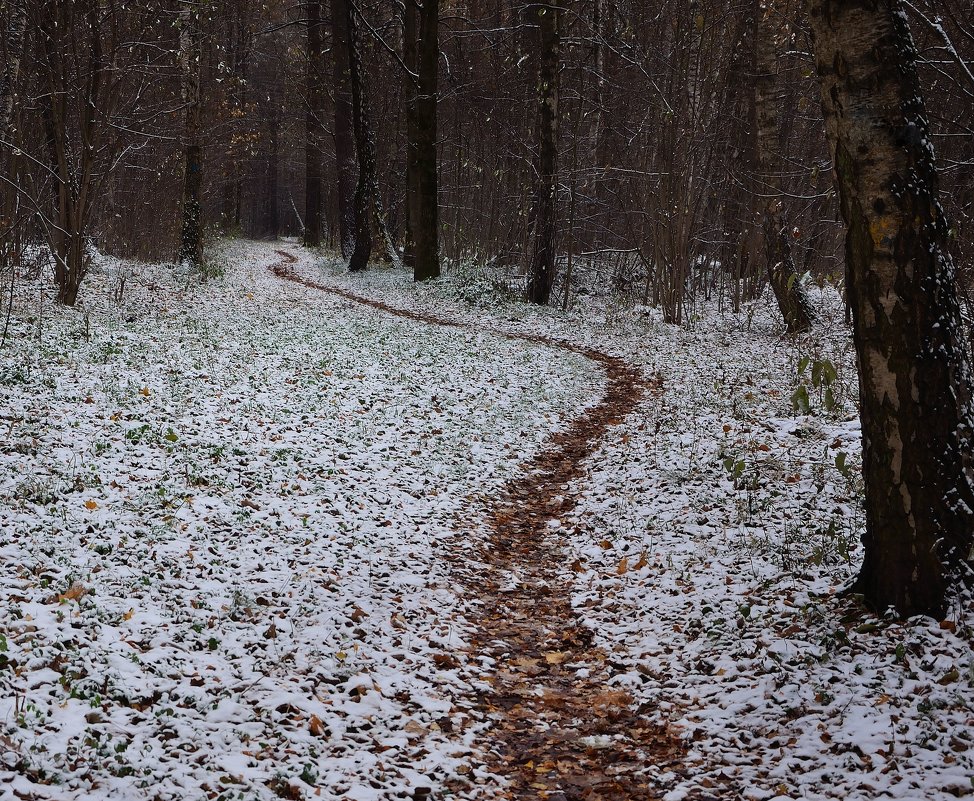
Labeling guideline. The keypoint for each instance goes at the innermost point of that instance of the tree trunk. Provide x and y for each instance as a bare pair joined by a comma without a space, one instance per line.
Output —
313,129
542,270
190,46
345,157
788,290
362,248
422,194
915,383
410,48
14,48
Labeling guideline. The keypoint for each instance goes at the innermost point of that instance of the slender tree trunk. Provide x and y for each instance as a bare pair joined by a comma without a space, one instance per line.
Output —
14,47
915,382
792,299
313,128
423,195
410,49
274,168
362,249
190,46
345,156
542,269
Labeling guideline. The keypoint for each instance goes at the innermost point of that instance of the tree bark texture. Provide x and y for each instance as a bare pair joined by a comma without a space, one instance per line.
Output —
788,291
541,275
915,383
313,128
362,247
410,48
13,48
190,50
346,165
422,194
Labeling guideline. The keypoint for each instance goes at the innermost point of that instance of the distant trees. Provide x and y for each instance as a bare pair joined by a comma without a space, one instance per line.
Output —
676,151
915,378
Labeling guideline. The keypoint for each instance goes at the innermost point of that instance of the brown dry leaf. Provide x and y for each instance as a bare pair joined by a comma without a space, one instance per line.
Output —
316,727
358,615
145,391
75,592
412,727
605,545
577,566
398,621
445,661
623,567
642,562
91,505
128,615
555,657
609,698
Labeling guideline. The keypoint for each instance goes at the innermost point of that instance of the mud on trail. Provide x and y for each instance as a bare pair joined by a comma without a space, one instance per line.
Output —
560,731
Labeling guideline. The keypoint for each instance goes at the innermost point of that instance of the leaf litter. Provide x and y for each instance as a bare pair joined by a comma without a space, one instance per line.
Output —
268,464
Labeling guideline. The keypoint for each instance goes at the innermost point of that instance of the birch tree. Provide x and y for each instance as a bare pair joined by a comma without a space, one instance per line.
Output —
915,382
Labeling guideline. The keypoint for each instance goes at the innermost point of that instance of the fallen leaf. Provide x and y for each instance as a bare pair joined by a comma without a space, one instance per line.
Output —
75,592
91,505
623,567
316,727
555,657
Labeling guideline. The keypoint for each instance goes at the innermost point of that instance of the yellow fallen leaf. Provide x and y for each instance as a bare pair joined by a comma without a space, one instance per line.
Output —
75,592
91,505
128,615
316,727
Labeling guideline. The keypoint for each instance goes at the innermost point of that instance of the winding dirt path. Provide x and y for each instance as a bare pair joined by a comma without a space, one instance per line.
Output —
561,731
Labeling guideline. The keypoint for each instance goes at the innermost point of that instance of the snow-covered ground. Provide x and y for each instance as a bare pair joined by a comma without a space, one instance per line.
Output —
228,521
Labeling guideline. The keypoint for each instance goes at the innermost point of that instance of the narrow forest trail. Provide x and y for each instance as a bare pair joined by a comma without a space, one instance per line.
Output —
560,730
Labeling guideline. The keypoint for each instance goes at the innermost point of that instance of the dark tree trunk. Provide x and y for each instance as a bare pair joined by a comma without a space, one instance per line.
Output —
421,199
362,249
410,48
190,45
788,291
345,157
313,128
542,269
14,48
274,169
915,383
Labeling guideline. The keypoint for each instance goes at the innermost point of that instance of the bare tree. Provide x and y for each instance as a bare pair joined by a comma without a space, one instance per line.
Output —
314,129
788,290
422,54
541,273
346,165
915,381
190,56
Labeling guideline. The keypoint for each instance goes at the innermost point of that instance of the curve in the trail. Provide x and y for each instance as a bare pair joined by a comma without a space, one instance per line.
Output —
560,732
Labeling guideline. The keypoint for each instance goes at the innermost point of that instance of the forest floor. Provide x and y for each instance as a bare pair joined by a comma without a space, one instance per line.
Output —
347,537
